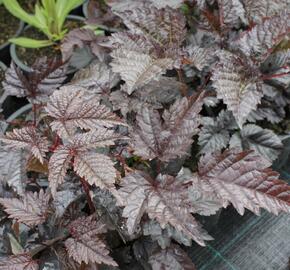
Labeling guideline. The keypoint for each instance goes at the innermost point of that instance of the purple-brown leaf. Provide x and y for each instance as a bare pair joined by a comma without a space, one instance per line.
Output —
85,244
245,180
27,138
46,76
71,109
164,199
18,262
31,209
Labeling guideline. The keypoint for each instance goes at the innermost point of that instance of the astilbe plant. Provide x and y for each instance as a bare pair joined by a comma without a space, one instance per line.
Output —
138,143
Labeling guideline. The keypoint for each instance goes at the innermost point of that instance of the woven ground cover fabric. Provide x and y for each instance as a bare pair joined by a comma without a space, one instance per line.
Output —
246,243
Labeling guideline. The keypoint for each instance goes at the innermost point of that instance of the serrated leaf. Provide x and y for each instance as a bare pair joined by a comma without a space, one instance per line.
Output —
46,76
149,137
202,200
163,27
129,41
70,109
85,245
27,138
31,209
231,12
97,79
170,139
260,40
12,164
58,166
257,10
263,141
236,87
214,134
166,201
271,107
123,5
155,94
63,198
85,163
181,121
80,38
138,69
101,137
18,262
245,180
151,47
199,57
96,168
276,61
172,258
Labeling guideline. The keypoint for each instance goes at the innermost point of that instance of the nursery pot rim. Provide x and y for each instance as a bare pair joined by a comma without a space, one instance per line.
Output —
17,33
16,114
2,66
14,55
85,8
3,95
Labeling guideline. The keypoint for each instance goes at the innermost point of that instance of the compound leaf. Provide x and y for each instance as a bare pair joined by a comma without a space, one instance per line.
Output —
46,76
71,109
18,262
27,138
236,87
166,201
31,209
263,141
85,245
245,180
260,41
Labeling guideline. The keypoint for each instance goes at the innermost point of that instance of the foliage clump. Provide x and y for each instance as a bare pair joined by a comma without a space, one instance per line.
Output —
165,124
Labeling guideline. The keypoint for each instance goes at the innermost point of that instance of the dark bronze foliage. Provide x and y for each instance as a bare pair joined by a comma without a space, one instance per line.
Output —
175,116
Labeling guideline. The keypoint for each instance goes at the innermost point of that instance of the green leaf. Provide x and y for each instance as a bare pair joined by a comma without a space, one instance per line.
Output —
16,10
42,20
30,43
63,8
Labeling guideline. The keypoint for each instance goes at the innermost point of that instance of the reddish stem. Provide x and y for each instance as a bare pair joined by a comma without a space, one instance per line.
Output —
269,77
34,114
55,144
86,188
182,89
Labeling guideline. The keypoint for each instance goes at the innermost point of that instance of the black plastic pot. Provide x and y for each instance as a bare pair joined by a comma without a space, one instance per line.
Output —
78,11
3,96
4,48
19,62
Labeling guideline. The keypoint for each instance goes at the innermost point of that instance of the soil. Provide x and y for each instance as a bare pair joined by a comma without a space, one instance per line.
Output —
2,75
28,56
9,25
28,5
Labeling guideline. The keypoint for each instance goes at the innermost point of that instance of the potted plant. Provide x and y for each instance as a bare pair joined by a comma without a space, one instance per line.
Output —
117,165
52,21
10,27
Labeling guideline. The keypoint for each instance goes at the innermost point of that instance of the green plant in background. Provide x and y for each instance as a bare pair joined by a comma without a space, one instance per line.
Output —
49,17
